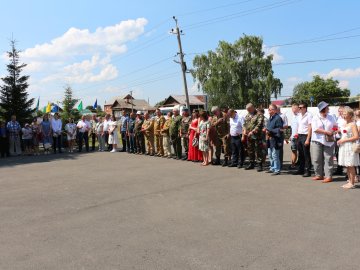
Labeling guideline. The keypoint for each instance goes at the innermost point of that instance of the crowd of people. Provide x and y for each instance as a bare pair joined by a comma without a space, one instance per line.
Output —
316,140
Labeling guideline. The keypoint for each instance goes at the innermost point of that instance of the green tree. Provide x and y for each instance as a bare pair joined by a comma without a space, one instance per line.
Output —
90,108
14,98
68,105
320,89
160,103
236,74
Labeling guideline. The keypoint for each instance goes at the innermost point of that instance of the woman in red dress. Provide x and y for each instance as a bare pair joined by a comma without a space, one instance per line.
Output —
194,154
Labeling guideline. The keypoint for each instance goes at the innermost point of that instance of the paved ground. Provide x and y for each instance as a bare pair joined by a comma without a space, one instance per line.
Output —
119,211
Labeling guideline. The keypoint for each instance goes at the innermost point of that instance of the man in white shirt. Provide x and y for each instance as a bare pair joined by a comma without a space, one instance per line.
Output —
83,127
294,136
106,131
236,124
304,137
56,126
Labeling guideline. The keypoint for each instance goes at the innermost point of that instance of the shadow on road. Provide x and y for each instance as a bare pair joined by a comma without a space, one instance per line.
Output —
22,160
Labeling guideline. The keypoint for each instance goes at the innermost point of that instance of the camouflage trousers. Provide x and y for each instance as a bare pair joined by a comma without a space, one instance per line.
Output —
150,147
159,145
225,143
185,144
255,150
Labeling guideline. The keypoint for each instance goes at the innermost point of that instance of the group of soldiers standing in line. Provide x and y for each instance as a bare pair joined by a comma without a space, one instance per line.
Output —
154,136
161,133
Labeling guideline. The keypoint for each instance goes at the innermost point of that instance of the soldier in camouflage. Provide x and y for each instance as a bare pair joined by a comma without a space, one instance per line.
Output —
174,133
184,131
166,135
220,123
158,124
253,126
139,136
148,130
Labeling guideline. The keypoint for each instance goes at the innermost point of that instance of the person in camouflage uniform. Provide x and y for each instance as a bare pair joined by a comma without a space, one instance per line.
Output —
158,124
220,123
139,136
166,135
148,130
253,130
174,133
184,131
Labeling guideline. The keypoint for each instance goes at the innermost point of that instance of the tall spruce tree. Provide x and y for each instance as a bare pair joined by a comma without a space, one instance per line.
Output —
68,105
14,99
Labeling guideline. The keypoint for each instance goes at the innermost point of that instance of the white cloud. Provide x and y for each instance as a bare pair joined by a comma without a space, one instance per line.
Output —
294,79
81,58
110,39
338,73
344,73
274,52
289,84
344,84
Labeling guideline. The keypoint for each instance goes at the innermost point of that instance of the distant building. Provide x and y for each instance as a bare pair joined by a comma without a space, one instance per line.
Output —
196,101
280,103
128,104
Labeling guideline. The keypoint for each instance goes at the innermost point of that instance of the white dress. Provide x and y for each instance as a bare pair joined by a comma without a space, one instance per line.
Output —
71,128
114,137
347,157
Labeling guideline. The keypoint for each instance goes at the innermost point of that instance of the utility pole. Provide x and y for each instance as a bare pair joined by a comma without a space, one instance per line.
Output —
178,32
132,104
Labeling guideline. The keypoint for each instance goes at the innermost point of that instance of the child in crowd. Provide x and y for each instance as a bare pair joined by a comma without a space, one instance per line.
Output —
27,137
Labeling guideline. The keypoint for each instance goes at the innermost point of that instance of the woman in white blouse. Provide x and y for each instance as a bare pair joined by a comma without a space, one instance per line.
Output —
349,136
113,134
323,128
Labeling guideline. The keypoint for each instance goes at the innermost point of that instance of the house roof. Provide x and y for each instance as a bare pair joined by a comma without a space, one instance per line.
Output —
181,99
278,102
113,99
136,104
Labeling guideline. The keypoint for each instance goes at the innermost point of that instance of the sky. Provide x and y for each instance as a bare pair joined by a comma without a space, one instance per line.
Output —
108,48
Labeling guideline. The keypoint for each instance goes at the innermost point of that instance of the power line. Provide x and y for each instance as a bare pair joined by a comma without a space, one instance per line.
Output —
312,41
214,8
240,14
317,60
139,83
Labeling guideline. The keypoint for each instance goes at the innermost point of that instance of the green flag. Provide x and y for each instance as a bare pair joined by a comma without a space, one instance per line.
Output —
44,109
80,107
37,105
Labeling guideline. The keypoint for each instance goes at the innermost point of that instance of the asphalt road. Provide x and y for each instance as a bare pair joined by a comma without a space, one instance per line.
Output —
119,211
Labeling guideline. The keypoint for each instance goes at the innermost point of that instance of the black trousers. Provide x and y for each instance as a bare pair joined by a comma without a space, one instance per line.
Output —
57,143
132,143
125,142
281,155
109,146
237,150
304,157
4,147
140,143
83,136
93,140
176,143
339,169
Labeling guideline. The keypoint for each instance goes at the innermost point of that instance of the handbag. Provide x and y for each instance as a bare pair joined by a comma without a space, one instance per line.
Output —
195,142
328,138
356,147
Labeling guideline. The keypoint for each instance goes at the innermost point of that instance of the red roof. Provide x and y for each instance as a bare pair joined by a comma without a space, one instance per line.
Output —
278,102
